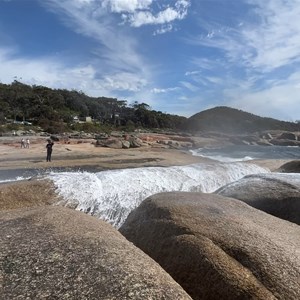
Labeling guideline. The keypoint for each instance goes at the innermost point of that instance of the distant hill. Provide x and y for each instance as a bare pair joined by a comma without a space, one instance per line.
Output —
229,120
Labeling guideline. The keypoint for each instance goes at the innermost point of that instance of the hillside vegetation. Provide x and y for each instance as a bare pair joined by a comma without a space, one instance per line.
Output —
233,121
55,110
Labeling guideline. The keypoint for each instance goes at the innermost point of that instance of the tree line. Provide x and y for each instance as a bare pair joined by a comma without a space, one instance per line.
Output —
54,110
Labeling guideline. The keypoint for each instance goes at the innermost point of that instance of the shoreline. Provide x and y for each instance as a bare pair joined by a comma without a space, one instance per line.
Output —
83,155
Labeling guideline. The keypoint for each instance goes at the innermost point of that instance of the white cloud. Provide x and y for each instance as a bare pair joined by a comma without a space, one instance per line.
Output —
138,13
169,14
162,91
164,29
127,6
190,73
123,82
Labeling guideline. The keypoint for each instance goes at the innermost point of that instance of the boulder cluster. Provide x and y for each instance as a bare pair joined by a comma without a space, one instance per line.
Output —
240,242
119,140
135,140
268,138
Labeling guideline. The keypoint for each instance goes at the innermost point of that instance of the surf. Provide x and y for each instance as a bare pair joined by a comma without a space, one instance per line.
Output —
112,195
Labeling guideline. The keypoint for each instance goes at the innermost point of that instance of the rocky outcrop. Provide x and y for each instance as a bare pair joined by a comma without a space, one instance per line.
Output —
57,253
218,248
276,194
135,142
264,138
111,142
120,142
288,136
145,139
285,138
27,193
283,142
290,167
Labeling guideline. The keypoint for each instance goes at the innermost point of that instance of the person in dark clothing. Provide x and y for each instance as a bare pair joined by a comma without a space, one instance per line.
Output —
49,149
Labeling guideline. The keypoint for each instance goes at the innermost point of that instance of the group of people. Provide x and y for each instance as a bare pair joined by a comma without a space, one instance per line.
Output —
25,144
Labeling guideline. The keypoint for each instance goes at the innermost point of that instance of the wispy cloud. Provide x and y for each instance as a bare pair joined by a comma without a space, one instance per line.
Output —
48,71
117,58
279,101
166,90
52,72
276,42
268,40
190,86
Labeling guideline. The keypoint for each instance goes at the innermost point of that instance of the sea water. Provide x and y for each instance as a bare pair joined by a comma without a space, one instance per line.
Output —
246,152
112,195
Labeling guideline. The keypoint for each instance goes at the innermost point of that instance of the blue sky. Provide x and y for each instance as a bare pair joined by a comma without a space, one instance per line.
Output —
180,56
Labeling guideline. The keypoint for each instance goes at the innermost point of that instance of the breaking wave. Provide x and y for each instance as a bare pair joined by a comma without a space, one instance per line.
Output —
112,195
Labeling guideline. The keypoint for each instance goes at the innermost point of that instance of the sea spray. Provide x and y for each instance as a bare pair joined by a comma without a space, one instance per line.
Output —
112,195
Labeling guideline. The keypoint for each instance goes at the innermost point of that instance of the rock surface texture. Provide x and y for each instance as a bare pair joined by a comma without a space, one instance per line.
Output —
290,167
218,248
277,194
57,253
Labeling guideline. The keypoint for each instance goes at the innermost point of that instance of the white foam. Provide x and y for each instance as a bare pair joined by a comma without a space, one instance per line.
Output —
112,195
221,158
18,178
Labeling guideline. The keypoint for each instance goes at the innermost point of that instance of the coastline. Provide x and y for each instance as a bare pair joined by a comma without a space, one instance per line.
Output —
81,153
85,156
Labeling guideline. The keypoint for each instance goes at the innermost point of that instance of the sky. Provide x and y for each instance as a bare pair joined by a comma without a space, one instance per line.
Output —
180,57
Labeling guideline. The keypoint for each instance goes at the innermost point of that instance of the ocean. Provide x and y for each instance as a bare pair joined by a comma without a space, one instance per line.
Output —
112,194
244,153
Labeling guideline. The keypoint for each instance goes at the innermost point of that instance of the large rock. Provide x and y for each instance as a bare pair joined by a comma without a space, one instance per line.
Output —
57,253
111,142
135,142
290,167
218,248
27,193
285,142
288,136
276,194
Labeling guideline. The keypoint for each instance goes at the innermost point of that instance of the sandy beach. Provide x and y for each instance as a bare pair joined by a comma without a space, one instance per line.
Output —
83,154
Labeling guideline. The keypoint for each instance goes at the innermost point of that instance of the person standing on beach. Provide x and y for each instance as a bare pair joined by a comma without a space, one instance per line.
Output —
23,143
49,149
27,143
